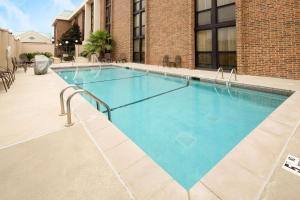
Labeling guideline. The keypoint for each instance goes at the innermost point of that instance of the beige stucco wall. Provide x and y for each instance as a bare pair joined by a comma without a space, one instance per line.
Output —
36,47
7,39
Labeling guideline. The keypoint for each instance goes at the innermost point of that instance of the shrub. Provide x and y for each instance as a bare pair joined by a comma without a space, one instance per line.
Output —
30,56
84,53
99,42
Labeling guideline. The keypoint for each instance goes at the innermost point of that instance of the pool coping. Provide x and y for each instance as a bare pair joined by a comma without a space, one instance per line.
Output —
147,180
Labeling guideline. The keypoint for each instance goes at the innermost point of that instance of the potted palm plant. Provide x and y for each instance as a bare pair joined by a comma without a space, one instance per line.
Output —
98,43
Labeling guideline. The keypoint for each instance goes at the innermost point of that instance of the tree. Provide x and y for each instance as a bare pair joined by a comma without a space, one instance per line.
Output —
99,42
71,36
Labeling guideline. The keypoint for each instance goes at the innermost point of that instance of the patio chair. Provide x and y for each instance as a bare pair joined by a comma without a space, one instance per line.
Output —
10,74
19,64
122,58
178,61
107,58
166,61
5,81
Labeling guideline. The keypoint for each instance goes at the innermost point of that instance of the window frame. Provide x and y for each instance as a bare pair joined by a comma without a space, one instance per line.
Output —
140,37
92,17
108,6
213,26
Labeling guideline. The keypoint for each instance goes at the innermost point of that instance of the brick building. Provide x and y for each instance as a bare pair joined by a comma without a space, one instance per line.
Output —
258,37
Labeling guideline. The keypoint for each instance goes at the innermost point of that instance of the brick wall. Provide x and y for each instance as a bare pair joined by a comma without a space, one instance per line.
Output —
269,38
170,31
60,27
79,21
122,27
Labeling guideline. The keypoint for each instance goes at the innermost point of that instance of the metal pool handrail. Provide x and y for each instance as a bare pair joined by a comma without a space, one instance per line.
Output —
228,83
98,101
220,69
61,97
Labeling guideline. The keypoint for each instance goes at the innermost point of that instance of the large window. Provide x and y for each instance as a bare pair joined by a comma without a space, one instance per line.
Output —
215,34
139,31
108,16
92,17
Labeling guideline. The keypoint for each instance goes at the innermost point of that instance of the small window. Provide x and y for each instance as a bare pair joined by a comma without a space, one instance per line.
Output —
204,40
203,5
31,38
227,39
224,2
204,18
226,13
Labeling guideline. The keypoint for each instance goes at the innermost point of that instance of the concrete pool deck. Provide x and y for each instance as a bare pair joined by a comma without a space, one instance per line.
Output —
32,135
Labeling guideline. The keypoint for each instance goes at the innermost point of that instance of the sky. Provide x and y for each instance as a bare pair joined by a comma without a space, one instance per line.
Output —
33,15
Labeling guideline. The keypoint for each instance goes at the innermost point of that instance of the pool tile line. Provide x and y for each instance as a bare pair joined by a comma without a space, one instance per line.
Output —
196,73
223,82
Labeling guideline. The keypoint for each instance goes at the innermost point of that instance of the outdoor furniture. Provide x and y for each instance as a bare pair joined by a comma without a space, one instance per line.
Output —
10,74
107,58
42,64
166,61
19,64
122,58
178,61
5,81
172,64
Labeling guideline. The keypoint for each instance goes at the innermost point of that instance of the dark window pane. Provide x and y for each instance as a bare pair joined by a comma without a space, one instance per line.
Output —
224,2
227,60
203,4
204,60
136,57
142,57
204,18
226,13
227,39
204,40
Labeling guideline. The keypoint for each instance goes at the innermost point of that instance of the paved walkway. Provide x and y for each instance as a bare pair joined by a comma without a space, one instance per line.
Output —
39,157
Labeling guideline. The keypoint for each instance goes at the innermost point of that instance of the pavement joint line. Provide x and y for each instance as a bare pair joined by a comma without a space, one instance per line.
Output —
131,196
32,138
277,162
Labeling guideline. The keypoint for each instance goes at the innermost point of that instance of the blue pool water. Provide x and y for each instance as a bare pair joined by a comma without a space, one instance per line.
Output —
187,130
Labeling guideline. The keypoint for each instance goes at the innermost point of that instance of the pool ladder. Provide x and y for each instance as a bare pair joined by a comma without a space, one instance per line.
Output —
219,70
233,71
79,90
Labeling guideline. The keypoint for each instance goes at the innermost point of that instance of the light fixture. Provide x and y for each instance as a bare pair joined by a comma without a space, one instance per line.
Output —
76,41
67,42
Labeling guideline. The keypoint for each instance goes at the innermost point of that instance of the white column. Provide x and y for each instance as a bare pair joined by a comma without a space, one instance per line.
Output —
87,23
97,15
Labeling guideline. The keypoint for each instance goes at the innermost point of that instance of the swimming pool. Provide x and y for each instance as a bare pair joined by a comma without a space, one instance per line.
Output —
186,128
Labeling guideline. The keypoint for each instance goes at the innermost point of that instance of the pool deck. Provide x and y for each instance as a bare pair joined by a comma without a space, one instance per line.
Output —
42,159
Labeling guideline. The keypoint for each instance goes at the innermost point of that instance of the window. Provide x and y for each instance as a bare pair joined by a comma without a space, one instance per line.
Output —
92,17
227,47
139,23
215,34
108,16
